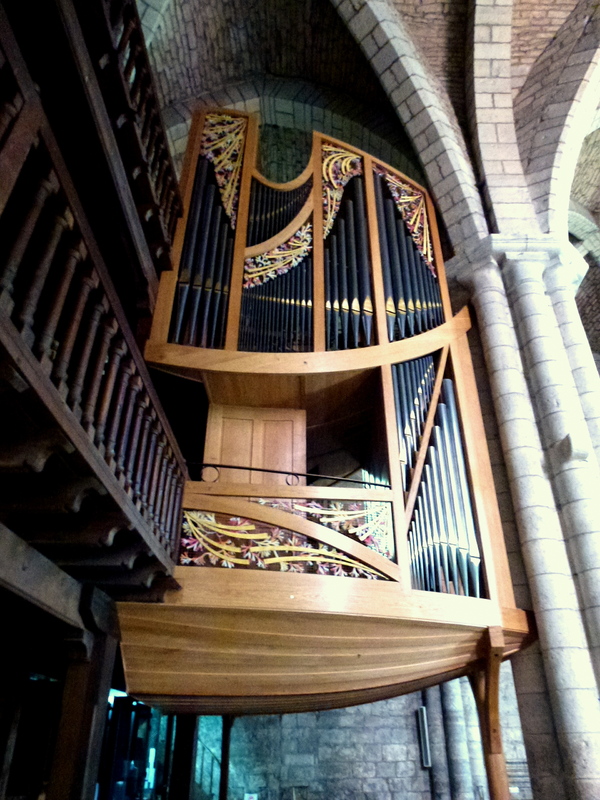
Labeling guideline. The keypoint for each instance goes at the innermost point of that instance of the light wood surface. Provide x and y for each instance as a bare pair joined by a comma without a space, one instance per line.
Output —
483,492
273,438
318,247
195,490
241,229
297,638
173,356
375,255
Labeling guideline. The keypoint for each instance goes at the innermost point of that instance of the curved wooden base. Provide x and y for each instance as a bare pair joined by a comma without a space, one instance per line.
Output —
241,641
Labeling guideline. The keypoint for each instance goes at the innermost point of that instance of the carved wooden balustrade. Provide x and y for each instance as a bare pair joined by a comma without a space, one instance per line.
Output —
113,33
88,441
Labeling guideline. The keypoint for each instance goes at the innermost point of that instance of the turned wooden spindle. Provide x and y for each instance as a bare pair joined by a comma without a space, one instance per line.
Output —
156,469
88,282
48,186
63,221
145,98
79,367
134,52
109,328
147,126
134,388
176,482
140,458
9,112
128,29
45,343
168,504
175,519
117,351
127,368
141,405
141,76
160,489
149,463
160,185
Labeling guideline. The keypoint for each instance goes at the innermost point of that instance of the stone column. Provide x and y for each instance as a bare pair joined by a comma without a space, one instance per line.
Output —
559,283
564,432
440,777
567,661
459,762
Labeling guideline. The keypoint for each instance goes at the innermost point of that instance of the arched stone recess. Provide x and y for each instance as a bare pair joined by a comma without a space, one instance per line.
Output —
504,186
303,107
555,110
425,113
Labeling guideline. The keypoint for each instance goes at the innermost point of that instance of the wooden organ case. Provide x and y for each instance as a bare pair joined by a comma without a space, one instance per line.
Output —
317,312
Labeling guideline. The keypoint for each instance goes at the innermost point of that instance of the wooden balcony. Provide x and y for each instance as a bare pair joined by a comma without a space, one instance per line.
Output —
92,475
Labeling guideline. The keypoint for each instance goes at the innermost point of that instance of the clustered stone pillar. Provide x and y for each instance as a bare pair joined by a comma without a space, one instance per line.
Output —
459,760
564,432
567,661
559,284
440,777
478,771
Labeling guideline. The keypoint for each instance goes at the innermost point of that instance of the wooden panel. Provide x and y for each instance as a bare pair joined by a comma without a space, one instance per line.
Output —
290,704
222,652
375,253
281,591
173,356
489,525
237,389
318,264
272,438
237,267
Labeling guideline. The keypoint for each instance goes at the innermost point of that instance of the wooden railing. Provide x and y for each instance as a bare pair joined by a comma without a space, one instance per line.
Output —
113,33
63,327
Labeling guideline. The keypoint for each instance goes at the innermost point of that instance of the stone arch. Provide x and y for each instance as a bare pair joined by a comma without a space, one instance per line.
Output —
492,123
556,109
424,111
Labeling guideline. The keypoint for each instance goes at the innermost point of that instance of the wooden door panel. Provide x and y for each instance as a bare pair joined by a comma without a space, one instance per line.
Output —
272,438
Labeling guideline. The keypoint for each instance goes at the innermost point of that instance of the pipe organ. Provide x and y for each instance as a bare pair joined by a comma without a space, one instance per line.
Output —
385,572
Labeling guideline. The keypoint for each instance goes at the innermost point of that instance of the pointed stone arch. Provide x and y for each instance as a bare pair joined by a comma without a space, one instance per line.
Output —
425,112
556,109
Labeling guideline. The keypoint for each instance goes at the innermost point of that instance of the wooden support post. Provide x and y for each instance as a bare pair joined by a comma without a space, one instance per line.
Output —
486,688
184,757
79,740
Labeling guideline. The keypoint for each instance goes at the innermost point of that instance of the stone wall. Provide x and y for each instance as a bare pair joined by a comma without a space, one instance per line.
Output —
368,752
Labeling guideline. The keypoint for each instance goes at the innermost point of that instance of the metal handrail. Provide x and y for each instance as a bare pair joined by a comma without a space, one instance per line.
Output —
293,475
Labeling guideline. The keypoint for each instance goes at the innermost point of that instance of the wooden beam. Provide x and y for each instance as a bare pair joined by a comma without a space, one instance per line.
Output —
32,576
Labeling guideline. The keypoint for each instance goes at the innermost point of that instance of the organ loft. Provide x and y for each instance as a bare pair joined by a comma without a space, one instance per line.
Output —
342,543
